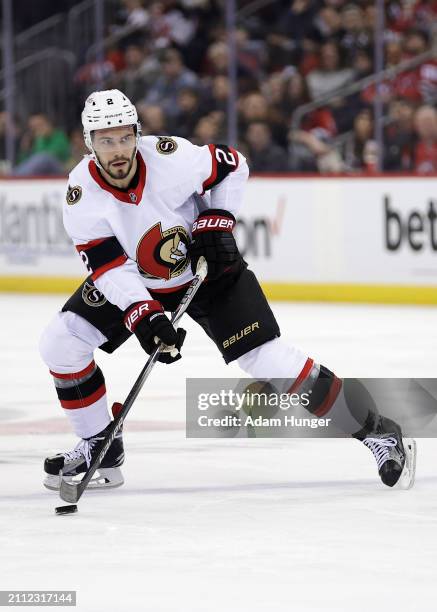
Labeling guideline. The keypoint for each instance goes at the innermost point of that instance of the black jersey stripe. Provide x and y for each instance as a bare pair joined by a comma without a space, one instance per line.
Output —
101,255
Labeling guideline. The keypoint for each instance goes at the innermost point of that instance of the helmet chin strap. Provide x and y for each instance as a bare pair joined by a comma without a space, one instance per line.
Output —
95,159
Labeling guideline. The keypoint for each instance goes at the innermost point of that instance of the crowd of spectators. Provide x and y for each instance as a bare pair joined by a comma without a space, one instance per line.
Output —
171,58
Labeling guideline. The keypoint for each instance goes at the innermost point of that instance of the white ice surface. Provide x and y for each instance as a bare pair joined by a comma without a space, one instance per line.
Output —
219,525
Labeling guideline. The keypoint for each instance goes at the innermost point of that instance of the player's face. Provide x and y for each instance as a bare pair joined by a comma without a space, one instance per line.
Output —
115,149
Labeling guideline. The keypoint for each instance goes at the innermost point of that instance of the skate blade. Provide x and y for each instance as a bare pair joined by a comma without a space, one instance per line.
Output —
406,479
104,478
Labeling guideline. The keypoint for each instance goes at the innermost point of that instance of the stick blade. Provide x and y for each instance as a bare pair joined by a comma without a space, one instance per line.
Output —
68,491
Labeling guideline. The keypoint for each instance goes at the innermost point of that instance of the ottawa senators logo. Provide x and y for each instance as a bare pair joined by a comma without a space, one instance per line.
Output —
91,296
166,145
163,254
74,194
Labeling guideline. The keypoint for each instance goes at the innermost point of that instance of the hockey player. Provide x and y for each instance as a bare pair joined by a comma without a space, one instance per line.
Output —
140,212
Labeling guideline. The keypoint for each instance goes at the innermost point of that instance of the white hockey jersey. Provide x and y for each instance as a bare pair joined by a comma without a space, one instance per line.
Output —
136,239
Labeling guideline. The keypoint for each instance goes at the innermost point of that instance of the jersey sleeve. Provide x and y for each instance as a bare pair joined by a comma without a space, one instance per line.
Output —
123,285
227,182
113,273
218,169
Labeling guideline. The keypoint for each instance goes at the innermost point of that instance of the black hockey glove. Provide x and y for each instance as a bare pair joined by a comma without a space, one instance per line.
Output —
151,326
213,238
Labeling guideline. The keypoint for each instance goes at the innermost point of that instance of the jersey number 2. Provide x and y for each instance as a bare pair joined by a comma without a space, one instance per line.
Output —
225,157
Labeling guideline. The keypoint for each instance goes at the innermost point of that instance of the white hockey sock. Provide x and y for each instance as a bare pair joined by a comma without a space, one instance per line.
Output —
273,359
67,347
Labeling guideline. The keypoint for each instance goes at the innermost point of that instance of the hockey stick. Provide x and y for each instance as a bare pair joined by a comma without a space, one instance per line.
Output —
71,492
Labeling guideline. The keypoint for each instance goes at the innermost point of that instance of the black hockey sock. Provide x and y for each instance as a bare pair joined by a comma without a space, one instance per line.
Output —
80,389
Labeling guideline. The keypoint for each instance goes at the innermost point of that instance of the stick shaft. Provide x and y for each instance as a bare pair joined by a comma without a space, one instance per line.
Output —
71,492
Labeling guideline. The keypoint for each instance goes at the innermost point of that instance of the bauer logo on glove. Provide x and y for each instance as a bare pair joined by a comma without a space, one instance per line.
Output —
151,326
136,314
213,222
213,239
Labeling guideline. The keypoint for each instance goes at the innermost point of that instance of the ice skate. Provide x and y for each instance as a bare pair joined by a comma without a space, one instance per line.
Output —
395,456
76,462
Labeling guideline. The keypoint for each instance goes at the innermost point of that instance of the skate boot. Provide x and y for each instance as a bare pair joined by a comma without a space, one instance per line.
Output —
76,462
395,456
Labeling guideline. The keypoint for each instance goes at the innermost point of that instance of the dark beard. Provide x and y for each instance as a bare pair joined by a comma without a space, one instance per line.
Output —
119,173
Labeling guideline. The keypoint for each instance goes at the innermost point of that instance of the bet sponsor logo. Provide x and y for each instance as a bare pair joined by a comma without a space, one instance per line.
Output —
415,229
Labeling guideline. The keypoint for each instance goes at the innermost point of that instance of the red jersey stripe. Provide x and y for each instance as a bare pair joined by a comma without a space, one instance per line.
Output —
119,261
235,154
213,174
130,196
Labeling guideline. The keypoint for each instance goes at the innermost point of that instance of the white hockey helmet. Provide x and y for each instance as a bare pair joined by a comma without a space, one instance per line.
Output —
108,109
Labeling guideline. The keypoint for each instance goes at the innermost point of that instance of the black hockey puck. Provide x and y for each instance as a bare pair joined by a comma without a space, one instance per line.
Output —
66,509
